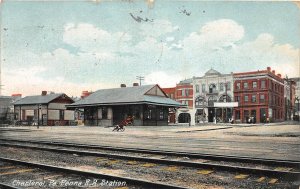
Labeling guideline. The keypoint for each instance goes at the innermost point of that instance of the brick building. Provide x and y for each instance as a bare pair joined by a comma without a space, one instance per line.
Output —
260,95
171,92
184,95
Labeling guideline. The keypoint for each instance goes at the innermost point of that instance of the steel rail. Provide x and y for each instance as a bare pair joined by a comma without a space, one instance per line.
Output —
128,180
287,175
216,157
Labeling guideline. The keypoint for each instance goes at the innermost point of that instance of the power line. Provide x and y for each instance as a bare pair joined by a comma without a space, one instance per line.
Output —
140,78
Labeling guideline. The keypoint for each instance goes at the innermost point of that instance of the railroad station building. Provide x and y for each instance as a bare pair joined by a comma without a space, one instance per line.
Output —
148,104
260,95
45,109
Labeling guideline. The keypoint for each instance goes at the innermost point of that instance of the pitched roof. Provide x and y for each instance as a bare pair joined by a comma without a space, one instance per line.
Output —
212,72
126,95
38,99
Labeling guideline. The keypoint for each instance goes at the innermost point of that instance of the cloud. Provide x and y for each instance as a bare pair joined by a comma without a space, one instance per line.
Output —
215,34
89,38
222,32
170,39
176,46
219,44
106,59
162,78
157,28
264,51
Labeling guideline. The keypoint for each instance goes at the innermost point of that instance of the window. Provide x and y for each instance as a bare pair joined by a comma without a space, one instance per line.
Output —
182,92
203,88
211,100
148,114
237,98
228,86
238,85
104,113
221,86
212,88
225,98
262,98
187,92
246,98
161,114
253,98
185,102
199,101
197,88
254,84
263,84
245,85
61,114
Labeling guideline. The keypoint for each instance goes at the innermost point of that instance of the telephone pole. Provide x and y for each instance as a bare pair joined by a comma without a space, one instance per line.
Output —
140,78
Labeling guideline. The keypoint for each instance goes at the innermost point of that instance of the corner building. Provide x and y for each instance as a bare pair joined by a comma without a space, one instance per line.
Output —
213,97
260,95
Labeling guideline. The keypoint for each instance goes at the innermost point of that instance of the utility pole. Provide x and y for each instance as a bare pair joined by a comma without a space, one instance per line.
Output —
141,78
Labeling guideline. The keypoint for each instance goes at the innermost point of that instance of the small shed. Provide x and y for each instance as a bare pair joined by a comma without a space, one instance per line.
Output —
46,109
148,104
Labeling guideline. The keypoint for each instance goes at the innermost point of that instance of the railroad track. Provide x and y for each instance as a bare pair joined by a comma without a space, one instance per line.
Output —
66,177
241,159
290,171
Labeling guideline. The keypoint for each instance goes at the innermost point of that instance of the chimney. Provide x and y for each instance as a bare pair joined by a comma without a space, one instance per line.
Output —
273,72
269,69
123,85
279,75
16,95
44,93
85,94
135,84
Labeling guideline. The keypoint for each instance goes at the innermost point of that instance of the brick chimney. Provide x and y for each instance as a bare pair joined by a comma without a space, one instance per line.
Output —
273,72
16,95
269,69
85,94
44,93
279,75
123,85
135,84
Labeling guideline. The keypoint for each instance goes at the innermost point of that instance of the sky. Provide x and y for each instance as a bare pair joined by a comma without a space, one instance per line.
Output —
71,46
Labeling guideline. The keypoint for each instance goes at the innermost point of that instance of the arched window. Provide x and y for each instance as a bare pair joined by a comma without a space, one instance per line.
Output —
199,101
211,100
225,98
212,88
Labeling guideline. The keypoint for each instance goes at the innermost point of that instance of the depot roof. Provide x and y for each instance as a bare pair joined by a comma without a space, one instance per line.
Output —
39,99
147,94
